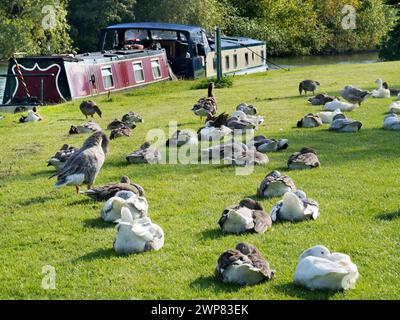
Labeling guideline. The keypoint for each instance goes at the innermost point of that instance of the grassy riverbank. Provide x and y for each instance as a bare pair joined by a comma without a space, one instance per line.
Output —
357,188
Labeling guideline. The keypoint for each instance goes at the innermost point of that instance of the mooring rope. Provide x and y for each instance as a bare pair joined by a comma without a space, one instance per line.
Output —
21,77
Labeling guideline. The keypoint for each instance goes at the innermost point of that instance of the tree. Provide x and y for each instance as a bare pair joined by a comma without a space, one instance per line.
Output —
88,17
33,27
390,47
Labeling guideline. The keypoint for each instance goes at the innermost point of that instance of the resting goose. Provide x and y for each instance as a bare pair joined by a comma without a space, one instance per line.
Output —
89,108
243,265
308,85
137,235
215,128
319,269
83,166
309,121
145,154
182,137
295,207
110,190
391,122
342,106
320,99
248,215
137,205
353,95
33,116
394,107
274,185
241,121
381,92
123,131
247,109
263,144
88,127
327,116
206,106
305,159
61,156
340,124
131,118
393,91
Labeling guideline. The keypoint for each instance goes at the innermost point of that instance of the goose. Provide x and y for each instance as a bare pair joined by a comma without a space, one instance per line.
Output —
33,116
263,144
319,269
247,109
182,137
342,106
274,185
340,124
393,91
137,235
215,128
145,154
309,121
394,107
243,121
225,150
110,190
206,106
131,118
137,206
308,85
83,166
248,215
243,265
327,116
116,124
321,99
61,156
248,158
381,92
88,127
295,207
353,95
89,108
123,131
305,159
391,122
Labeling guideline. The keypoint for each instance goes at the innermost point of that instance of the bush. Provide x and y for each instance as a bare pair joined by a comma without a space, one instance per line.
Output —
225,82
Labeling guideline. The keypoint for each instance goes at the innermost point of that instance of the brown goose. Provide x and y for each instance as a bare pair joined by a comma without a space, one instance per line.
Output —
120,132
83,165
309,121
206,106
393,91
305,159
321,99
61,156
308,85
110,190
275,184
248,215
89,108
243,265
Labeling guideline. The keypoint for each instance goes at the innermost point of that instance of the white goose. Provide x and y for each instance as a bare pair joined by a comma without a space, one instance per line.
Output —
137,234
320,269
327,116
381,92
295,207
391,122
137,206
342,106
394,107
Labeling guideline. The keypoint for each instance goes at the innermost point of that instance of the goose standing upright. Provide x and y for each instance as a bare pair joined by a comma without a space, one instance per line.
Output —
89,108
206,106
83,166
319,269
308,85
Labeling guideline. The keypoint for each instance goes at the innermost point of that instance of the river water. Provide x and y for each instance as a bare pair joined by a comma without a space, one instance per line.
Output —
286,62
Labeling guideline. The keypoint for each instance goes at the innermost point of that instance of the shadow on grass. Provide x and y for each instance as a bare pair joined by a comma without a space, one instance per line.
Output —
212,234
73,119
389,216
81,201
36,200
211,283
298,292
98,254
97,223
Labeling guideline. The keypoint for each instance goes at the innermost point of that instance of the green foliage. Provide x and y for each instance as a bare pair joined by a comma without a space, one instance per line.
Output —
88,17
28,26
225,82
390,48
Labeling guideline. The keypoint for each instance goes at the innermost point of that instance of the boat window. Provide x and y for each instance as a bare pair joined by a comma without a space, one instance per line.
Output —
246,58
227,66
164,35
155,67
235,61
110,40
138,71
135,35
262,56
107,76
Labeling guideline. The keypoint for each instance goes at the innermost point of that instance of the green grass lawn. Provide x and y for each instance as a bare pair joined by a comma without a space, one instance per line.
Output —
357,187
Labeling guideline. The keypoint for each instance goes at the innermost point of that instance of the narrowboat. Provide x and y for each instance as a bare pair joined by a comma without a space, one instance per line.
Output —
130,55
